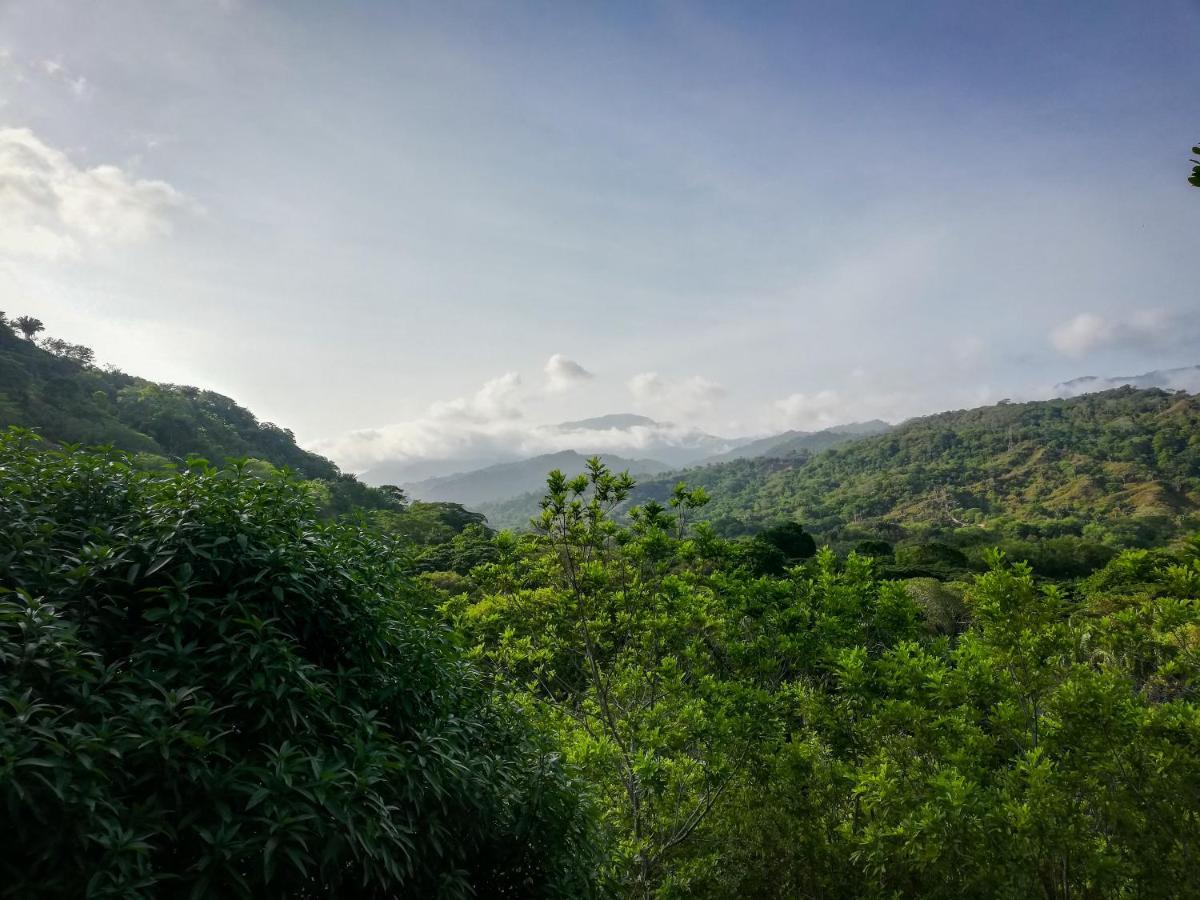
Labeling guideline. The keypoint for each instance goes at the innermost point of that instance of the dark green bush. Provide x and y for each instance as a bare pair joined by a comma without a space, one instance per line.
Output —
791,539
875,549
207,691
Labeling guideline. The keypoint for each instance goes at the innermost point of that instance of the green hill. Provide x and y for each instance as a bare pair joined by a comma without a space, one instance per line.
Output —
69,402
55,390
1120,466
793,443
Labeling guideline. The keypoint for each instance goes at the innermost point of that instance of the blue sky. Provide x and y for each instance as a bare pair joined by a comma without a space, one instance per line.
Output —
414,229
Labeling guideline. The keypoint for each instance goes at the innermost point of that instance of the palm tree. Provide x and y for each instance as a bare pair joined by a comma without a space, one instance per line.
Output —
29,326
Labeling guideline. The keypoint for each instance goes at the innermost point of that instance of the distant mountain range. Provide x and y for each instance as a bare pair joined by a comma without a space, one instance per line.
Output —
625,435
671,448
1125,459
646,446
499,482
1186,378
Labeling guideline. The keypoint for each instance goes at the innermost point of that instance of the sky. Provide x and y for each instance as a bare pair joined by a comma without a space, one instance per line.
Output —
416,229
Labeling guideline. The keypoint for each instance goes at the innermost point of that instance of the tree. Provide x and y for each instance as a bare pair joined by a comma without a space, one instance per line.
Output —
1194,180
207,691
397,495
29,326
791,539
621,646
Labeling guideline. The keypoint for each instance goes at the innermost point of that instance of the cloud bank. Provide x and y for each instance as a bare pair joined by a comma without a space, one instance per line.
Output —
492,424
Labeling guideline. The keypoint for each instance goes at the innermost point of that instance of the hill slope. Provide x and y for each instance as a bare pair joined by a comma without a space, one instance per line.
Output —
500,482
69,402
1123,463
1121,466
793,443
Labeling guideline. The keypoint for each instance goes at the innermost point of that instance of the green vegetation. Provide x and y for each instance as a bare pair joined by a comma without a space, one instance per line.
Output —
267,679
57,390
1108,470
829,733
205,690
1062,483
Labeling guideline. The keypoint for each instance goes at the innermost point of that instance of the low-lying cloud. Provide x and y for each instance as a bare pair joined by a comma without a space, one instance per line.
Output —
492,424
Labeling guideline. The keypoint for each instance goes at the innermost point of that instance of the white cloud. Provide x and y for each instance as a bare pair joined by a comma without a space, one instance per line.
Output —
497,399
1082,334
674,398
491,425
563,373
812,412
1147,329
51,208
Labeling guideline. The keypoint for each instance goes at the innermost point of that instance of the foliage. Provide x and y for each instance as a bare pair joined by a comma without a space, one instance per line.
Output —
28,326
621,649
57,391
831,733
1114,469
206,690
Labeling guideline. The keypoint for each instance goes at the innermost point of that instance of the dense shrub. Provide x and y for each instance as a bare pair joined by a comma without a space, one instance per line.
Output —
205,690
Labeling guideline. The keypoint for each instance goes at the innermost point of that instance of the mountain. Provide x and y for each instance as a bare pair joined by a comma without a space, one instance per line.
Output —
625,435
67,401
1122,466
1186,378
500,482
411,471
628,434
605,423
790,443
757,446
862,429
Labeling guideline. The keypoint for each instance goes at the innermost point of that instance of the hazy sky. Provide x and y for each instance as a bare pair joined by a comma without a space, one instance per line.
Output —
396,226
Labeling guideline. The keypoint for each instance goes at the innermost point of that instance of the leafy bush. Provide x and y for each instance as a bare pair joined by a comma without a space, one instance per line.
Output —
207,691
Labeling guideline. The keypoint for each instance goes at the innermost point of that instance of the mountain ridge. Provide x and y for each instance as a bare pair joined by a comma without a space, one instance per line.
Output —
504,480
1125,461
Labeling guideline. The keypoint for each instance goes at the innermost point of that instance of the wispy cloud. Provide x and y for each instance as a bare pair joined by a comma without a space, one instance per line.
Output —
56,71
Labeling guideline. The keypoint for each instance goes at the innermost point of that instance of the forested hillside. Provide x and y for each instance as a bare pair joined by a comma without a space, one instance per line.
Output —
796,443
69,400
56,389
1120,467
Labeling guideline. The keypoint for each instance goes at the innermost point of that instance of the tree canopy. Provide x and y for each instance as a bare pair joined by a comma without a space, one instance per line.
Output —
206,690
